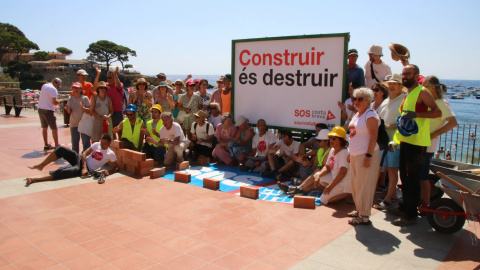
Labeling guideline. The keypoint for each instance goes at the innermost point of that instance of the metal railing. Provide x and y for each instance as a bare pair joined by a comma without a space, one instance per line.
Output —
463,142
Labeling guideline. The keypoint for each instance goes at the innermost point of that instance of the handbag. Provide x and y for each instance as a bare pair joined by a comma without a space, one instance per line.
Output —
85,125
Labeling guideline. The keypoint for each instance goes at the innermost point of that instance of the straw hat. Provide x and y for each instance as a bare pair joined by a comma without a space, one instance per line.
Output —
399,52
180,81
101,84
220,80
141,80
201,114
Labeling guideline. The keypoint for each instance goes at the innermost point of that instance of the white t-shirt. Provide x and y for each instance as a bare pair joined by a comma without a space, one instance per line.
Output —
388,111
289,150
437,123
99,157
359,135
262,143
206,99
47,92
201,132
348,102
174,132
215,120
381,71
336,162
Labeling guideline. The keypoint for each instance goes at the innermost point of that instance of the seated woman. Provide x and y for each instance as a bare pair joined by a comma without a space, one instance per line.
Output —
242,143
334,177
225,132
201,137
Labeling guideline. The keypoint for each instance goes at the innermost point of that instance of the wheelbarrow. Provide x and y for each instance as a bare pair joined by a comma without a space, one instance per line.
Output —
448,215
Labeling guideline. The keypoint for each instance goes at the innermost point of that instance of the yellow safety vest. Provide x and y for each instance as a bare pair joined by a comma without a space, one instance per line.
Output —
157,128
422,138
127,133
321,155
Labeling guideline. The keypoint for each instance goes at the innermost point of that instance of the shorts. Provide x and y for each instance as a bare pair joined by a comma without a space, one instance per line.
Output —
426,167
392,159
47,119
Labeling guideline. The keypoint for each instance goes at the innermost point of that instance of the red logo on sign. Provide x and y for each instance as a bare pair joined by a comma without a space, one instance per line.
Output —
97,155
330,115
262,146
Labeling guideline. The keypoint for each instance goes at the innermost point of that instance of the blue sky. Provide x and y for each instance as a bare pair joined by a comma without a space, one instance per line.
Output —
182,37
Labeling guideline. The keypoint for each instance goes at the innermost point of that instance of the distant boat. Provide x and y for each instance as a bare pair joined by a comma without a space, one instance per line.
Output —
459,96
458,85
477,96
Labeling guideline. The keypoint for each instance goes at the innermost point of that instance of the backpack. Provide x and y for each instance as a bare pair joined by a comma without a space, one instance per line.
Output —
382,136
195,127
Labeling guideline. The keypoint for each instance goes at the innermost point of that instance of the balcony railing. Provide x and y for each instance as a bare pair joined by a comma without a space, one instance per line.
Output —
463,142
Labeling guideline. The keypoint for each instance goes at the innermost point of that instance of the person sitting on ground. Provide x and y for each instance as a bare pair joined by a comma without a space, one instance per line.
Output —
131,128
201,136
242,143
142,99
225,132
312,145
102,110
153,130
76,106
172,134
282,162
215,117
261,143
91,160
306,181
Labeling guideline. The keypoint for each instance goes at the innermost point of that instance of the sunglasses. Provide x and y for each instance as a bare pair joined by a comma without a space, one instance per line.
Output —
179,84
161,77
191,85
360,99
375,89
213,108
130,114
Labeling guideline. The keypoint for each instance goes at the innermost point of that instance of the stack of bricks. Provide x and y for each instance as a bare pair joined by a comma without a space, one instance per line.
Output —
132,161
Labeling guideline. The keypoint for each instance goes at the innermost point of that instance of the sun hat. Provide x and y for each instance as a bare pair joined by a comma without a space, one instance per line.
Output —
406,127
240,120
82,72
169,82
220,80
161,74
201,114
399,51
101,84
190,83
375,49
352,51
179,81
338,132
163,84
141,80
323,135
395,78
77,85
131,108
156,107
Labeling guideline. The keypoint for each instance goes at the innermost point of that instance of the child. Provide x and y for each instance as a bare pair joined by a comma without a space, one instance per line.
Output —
305,171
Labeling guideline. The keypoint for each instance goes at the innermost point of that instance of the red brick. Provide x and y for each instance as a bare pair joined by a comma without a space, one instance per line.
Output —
116,144
249,192
157,172
211,183
183,165
143,171
202,161
138,156
149,163
156,163
183,177
304,202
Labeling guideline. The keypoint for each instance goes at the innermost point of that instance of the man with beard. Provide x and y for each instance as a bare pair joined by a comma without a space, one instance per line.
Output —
418,106
375,69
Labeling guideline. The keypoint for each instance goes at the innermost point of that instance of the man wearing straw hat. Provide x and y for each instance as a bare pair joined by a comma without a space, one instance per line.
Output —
375,69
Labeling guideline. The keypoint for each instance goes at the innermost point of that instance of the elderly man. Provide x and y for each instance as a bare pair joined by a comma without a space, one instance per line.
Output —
172,134
86,86
46,108
114,92
375,69
92,160
389,112
261,143
418,106
153,130
354,72
130,129
283,162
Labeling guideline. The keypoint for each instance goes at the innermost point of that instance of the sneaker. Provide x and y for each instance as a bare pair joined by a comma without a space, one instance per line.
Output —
383,205
280,177
404,222
48,147
283,187
101,180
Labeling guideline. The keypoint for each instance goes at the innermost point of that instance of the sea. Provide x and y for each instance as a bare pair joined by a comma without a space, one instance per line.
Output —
466,110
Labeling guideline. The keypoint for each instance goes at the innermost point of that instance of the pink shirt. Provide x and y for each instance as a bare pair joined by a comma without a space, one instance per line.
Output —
116,96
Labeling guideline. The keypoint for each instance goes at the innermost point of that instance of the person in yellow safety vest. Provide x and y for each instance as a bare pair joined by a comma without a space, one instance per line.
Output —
153,131
131,129
418,106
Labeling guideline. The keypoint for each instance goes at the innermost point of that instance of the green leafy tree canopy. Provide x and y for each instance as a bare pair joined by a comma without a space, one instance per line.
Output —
64,50
12,40
109,52
41,56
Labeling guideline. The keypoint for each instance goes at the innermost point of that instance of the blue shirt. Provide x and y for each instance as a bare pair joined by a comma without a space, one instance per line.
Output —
355,74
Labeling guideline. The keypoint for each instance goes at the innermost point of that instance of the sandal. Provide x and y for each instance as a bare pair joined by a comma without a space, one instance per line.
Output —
383,205
360,221
354,213
283,187
29,182
48,147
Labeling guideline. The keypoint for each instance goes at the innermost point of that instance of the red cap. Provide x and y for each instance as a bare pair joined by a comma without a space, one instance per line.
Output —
197,81
190,83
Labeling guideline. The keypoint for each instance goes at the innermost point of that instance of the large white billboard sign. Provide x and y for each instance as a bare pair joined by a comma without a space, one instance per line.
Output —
291,82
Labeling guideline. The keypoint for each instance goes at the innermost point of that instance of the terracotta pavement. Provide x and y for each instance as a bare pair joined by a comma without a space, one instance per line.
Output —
130,223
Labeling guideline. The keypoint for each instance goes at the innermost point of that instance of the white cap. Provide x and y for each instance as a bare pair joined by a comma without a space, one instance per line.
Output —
240,120
82,72
323,134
